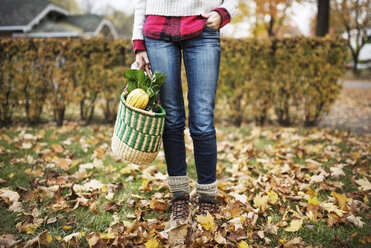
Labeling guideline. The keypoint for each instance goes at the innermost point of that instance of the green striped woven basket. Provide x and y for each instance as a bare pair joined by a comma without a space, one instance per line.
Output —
138,133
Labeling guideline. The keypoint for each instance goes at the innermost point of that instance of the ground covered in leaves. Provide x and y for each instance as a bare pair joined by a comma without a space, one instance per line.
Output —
278,187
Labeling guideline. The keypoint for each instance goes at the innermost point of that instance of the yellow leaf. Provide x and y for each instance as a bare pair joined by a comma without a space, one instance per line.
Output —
11,175
57,237
30,229
107,235
104,188
273,196
311,192
152,243
67,227
261,202
295,225
243,244
341,198
49,238
206,222
314,200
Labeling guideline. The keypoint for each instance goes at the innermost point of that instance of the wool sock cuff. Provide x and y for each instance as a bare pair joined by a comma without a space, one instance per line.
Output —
207,189
178,184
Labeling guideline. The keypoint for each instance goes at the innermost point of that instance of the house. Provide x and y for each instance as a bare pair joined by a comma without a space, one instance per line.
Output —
41,18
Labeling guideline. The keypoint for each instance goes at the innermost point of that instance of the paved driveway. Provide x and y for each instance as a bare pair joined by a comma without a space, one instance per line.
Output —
352,109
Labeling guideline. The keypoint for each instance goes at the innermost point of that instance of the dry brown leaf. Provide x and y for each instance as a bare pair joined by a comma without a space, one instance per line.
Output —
295,243
57,148
64,164
158,205
355,220
364,183
8,195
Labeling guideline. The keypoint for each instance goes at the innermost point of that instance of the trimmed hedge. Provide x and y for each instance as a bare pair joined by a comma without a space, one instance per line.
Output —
291,80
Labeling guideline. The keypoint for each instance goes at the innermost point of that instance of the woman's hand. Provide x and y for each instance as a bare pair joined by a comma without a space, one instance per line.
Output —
214,20
141,58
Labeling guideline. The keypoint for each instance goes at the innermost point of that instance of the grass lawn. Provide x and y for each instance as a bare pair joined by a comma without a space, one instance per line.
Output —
290,187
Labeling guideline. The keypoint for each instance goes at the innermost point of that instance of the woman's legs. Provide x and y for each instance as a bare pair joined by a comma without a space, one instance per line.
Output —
202,60
165,57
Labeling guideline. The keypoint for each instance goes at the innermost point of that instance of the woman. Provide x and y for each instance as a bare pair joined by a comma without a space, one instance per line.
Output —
162,29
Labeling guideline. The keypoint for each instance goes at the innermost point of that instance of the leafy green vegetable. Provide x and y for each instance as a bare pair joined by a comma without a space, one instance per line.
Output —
138,79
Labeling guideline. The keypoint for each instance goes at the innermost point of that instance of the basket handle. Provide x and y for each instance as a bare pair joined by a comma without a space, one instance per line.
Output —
148,71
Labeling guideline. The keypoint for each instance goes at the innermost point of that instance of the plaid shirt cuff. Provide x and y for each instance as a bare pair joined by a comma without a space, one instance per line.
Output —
225,16
139,45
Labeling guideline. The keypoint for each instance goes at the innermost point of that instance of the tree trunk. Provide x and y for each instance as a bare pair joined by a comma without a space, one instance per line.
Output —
59,116
322,17
270,29
355,64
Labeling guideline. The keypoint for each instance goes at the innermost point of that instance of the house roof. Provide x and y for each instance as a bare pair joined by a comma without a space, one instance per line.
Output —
24,14
88,22
29,18
47,26
20,12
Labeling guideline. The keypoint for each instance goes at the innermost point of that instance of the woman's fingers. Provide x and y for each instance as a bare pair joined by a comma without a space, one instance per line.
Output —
214,19
146,60
142,60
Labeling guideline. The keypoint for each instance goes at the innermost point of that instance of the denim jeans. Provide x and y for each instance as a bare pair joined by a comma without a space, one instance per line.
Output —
201,56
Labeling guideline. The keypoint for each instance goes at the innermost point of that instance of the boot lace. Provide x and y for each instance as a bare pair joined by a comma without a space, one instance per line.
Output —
206,205
180,207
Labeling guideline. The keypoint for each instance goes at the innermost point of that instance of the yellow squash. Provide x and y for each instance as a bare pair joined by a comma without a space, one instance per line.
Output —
138,98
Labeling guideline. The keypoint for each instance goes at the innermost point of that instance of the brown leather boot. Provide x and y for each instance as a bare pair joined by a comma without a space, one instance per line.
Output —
180,208
206,203
180,220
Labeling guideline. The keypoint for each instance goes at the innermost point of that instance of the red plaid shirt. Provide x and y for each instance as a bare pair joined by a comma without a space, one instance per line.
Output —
173,28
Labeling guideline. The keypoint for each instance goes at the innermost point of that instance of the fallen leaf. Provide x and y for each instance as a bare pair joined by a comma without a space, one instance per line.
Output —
64,164
330,207
57,148
313,200
273,197
9,241
261,202
107,235
295,243
158,205
341,199
239,197
295,225
355,220
206,222
71,236
364,183
243,244
152,243
9,195
220,239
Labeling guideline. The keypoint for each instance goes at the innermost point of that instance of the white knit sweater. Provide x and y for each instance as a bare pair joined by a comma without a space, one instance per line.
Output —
176,8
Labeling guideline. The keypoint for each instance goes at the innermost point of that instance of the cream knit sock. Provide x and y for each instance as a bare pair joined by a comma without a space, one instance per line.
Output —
178,183
207,189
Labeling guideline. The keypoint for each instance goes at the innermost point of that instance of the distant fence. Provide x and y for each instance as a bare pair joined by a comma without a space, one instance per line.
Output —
288,81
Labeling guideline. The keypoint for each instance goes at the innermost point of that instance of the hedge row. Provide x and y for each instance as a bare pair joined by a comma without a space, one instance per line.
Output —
292,80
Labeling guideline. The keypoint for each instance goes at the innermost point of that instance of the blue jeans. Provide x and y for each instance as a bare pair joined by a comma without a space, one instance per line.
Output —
201,57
